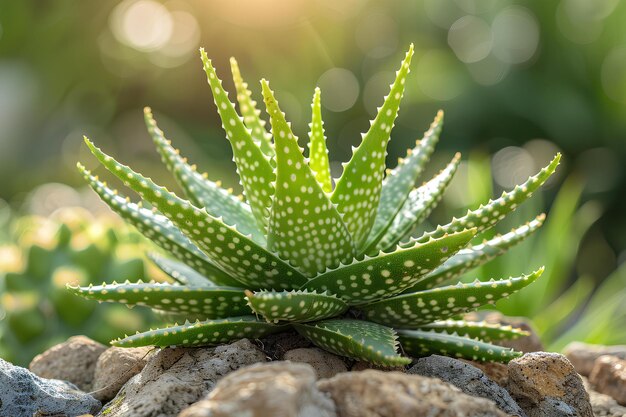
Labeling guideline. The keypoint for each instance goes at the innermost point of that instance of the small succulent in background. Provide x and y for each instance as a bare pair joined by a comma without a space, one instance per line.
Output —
46,254
331,262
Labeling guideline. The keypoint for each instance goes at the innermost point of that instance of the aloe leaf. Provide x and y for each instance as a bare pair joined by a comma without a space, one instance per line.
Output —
254,168
202,333
318,153
209,301
224,245
487,332
159,230
250,114
179,271
418,205
217,201
400,181
388,274
476,255
295,306
425,343
357,193
305,226
356,339
491,213
424,307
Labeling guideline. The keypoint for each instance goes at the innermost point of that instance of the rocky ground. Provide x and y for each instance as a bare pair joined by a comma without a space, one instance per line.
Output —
284,376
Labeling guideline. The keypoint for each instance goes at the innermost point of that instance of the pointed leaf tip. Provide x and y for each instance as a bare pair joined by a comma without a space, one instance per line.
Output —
250,114
489,214
255,171
357,193
410,311
476,255
318,153
423,343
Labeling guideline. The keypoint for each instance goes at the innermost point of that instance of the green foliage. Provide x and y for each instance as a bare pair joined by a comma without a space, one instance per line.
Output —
46,254
324,261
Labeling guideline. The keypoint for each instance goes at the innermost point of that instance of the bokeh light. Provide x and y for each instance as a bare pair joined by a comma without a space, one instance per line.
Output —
489,71
470,38
168,37
516,35
512,165
581,21
340,89
613,74
145,25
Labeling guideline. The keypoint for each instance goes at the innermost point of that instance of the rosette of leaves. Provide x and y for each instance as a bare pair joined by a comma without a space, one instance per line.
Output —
41,256
330,258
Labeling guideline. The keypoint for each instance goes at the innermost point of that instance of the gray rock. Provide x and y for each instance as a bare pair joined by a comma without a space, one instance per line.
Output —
277,389
175,378
115,367
546,385
325,364
23,393
608,376
73,361
497,372
603,405
583,355
468,379
373,393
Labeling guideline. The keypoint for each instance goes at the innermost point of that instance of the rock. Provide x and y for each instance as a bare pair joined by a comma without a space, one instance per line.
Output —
373,393
362,366
468,379
73,360
583,355
525,344
546,385
116,366
276,345
174,378
497,372
608,376
325,364
603,405
277,389
25,394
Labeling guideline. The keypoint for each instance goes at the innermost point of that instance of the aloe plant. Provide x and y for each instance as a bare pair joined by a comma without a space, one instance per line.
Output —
331,262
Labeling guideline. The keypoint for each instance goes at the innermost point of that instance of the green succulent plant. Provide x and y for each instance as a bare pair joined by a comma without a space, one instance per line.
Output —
45,254
331,262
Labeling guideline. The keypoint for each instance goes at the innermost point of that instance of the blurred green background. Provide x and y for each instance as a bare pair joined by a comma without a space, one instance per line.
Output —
518,81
